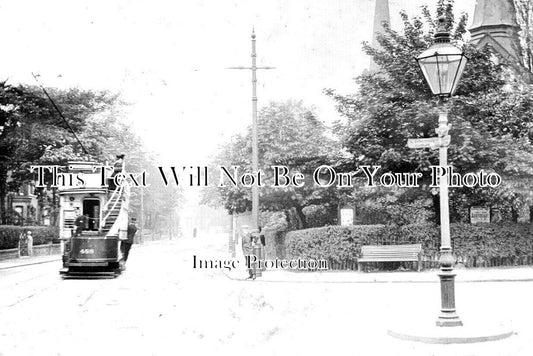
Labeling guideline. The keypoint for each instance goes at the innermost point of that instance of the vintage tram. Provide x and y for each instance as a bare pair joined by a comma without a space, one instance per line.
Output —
93,248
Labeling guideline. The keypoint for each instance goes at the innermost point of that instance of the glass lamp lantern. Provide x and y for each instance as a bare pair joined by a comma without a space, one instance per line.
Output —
442,64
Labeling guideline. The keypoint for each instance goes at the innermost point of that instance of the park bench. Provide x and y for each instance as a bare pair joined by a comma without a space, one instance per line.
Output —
391,253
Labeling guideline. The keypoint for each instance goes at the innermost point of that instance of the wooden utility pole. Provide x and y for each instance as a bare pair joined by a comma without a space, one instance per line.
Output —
255,154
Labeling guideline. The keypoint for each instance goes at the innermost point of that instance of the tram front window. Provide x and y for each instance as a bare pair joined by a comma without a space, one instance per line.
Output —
91,208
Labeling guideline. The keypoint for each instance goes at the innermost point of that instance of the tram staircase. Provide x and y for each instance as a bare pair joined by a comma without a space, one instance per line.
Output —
116,205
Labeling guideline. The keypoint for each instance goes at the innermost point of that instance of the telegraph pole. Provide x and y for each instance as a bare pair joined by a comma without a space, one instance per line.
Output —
255,154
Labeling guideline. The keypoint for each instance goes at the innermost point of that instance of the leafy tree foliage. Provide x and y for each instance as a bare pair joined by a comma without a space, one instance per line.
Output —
289,135
31,131
489,114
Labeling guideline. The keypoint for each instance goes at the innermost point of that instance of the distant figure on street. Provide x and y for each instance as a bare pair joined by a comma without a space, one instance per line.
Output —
80,223
29,238
248,241
194,232
262,240
239,240
132,229
262,236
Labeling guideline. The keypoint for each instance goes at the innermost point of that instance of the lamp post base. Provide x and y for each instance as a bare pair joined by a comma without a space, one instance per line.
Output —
448,316
475,332
451,319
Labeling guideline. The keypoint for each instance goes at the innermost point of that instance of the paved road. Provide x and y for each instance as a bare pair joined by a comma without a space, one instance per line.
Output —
162,306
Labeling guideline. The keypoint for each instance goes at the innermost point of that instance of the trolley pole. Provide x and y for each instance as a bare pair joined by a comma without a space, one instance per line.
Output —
255,150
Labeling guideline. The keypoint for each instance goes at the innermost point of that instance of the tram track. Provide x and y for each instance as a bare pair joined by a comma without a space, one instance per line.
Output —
81,305
29,296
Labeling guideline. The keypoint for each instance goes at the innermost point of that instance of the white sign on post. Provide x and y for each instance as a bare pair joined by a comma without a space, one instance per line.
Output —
479,215
432,142
422,142
347,216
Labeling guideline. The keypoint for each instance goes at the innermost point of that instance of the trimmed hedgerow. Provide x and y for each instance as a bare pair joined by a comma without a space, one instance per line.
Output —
9,235
509,241
472,244
334,243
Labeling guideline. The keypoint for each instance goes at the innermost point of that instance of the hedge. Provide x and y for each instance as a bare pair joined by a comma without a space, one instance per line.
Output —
473,244
334,243
9,235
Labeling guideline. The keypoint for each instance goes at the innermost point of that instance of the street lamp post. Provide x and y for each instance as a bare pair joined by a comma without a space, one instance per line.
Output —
442,65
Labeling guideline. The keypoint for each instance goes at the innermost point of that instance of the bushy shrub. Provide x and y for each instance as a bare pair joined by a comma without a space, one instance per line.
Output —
320,215
274,221
9,235
334,243
274,230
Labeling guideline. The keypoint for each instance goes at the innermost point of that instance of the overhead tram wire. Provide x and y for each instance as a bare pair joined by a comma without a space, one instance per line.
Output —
60,113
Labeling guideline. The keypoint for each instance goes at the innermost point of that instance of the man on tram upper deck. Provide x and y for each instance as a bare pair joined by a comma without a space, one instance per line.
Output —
117,168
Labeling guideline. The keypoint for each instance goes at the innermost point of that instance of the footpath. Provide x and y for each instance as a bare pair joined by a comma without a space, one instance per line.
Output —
500,274
28,261
35,260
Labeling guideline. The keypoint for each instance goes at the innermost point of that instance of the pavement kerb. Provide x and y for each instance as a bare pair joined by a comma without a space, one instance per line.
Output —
18,262
25,263
368,281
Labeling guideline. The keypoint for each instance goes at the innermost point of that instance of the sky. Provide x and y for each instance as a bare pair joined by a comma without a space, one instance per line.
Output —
169,59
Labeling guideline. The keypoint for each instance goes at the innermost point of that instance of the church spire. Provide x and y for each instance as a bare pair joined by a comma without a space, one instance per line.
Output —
495,25
381,14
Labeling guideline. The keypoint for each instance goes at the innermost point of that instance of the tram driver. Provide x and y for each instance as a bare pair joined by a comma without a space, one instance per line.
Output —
80,222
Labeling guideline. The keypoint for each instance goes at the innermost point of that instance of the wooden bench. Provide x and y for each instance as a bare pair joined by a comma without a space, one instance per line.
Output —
391,253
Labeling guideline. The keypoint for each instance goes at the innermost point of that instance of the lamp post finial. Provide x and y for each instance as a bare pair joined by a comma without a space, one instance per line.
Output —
442,35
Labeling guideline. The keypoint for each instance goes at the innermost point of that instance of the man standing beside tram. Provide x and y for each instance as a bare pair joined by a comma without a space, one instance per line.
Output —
132,230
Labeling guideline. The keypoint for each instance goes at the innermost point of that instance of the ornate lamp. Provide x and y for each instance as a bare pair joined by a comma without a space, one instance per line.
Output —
442,63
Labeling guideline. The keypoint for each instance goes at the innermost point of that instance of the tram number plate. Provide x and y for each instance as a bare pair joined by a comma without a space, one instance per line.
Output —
87,251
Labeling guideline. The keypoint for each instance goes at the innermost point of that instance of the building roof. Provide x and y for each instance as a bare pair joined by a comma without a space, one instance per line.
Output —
495,25
494,13
381,14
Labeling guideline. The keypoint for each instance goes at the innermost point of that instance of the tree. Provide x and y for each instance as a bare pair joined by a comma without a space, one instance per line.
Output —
289,135
32,132
490,115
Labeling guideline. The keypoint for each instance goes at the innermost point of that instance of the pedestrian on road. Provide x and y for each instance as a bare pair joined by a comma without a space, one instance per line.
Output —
248,251
132,229
262,239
